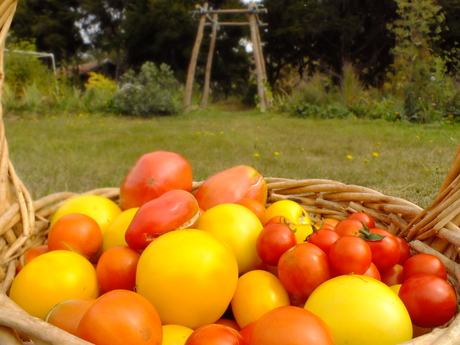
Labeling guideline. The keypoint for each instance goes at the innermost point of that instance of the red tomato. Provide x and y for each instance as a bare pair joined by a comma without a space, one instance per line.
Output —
393,275
76,232
154,174
121,317
350,254
385,252
170,211
431,301
246,332
373,272
116,268
291,326
404,249
324,238
328,223
279,219
303,268
348,227
424,263
363,217
273,241
215,334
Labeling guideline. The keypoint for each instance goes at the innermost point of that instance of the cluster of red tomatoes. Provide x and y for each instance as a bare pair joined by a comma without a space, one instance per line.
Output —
217,266
356,246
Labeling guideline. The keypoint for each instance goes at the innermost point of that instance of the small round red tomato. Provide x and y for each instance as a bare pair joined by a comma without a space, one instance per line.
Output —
328,223
393,275
215,334
303,268
373,272
246,332
76,232
279,219
152,175
273,241
291,325
116,268
363,217
350,254
404,249
385,251
424,263
121,317
348,227
324,238
431,301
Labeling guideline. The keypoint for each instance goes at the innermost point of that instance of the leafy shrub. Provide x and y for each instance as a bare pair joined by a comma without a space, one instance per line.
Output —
99,92
153,91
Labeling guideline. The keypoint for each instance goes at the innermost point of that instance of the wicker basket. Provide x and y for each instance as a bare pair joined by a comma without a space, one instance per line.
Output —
24,223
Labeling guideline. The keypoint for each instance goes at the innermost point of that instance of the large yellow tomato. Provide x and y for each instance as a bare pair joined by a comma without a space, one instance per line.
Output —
189,275
101,209
239,227
115,233
257,292
175,334
52,278
289,209
361,310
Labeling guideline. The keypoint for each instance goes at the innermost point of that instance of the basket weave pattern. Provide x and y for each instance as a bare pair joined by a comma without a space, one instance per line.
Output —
24,223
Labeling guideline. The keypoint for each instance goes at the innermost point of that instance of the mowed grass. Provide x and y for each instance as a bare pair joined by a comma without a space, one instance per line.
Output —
80,153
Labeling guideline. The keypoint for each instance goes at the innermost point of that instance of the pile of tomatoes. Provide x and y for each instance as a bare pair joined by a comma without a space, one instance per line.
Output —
169,266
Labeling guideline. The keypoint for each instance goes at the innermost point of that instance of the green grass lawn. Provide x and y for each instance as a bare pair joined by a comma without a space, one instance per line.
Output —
80,153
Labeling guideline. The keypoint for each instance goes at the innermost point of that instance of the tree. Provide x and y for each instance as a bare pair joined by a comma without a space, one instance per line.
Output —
311,35
51,23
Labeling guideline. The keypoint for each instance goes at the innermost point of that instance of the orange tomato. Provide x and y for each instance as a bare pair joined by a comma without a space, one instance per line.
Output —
255,206
66,315
291,325
76,232
31,254
121,317
116,268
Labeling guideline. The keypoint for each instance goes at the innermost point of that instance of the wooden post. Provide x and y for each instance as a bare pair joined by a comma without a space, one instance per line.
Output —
193,60
207,80
258,45
257,58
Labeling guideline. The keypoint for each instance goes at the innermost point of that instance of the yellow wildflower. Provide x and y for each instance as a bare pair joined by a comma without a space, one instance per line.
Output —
256,155
350,157
375,154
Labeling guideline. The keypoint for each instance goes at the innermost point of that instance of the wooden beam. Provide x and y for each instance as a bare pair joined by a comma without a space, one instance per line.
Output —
193,60
202,10
235,24
258,62
207,80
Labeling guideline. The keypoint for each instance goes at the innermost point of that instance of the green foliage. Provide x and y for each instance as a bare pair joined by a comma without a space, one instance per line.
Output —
98,94
152,91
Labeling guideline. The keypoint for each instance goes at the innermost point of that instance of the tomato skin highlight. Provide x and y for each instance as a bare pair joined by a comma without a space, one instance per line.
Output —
430,300
154,174
302,269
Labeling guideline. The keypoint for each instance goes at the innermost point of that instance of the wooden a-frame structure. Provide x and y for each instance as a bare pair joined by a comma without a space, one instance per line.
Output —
212,15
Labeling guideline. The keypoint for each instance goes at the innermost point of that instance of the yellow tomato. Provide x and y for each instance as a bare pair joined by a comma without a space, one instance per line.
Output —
175,334
237,226
189,275
101,209
302,231
361,310
257,292
52,278
395,288
115,233
289,209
